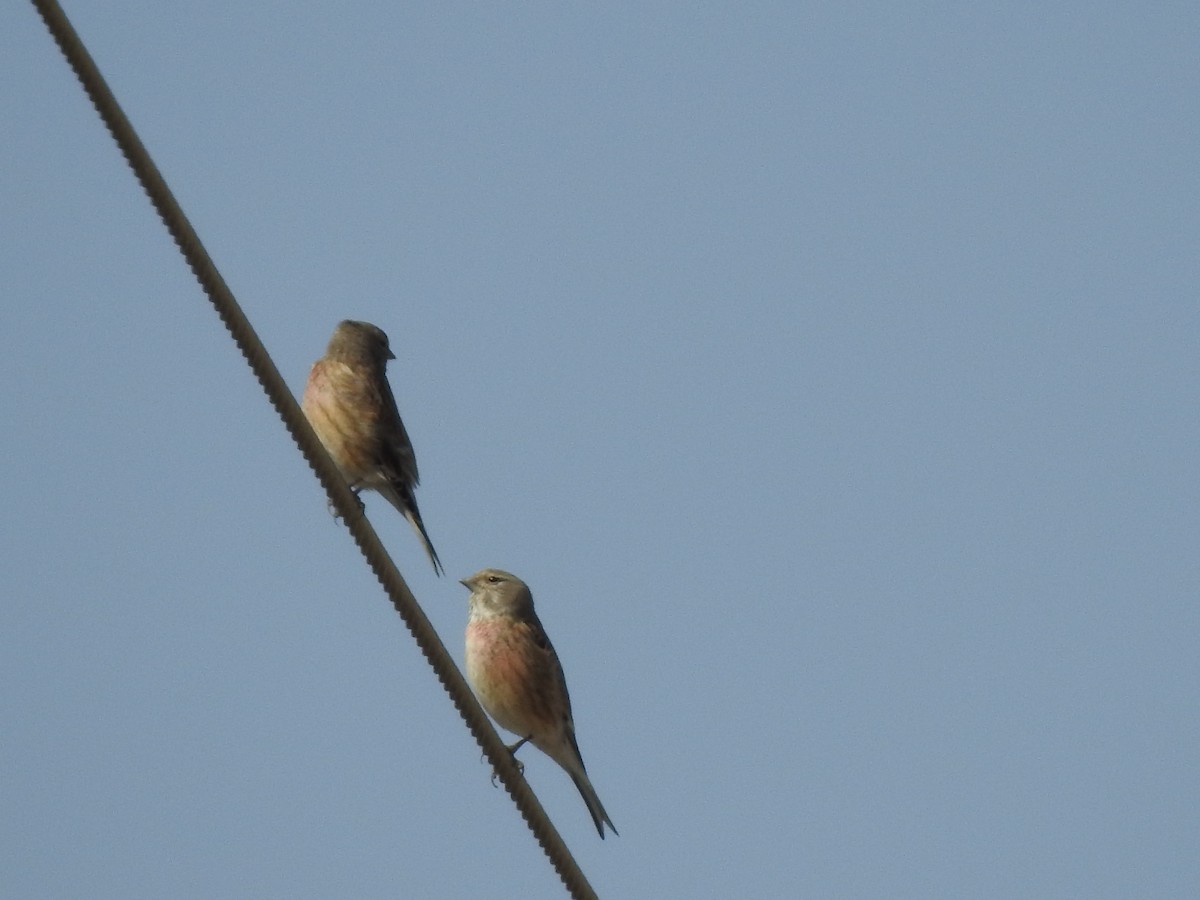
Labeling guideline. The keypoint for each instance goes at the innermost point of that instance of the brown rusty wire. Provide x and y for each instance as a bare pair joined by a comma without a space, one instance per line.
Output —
297,425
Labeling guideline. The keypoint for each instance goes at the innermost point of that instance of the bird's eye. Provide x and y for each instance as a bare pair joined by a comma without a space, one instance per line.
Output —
493,579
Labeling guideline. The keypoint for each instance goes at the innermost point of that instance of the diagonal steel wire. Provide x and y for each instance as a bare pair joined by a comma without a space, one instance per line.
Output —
297,425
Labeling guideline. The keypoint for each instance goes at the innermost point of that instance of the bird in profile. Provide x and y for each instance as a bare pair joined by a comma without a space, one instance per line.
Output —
516,674
350,406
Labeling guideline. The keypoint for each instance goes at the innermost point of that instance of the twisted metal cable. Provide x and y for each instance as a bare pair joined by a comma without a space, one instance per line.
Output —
281,398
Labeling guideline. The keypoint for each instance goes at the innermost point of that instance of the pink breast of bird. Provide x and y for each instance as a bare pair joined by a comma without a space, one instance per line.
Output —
505,677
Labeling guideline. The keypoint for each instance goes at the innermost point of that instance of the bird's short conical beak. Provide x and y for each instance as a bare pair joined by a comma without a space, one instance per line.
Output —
465,582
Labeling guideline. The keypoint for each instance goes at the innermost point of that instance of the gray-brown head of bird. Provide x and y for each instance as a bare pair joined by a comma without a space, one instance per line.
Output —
359,342
496,592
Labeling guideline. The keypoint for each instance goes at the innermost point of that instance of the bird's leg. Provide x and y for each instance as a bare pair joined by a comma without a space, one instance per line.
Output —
512,748
355,490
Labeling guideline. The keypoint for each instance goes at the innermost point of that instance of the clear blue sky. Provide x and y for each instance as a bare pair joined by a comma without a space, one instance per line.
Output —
828,370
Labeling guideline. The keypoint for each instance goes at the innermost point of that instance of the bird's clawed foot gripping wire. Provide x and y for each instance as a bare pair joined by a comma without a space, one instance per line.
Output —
511,748
362,507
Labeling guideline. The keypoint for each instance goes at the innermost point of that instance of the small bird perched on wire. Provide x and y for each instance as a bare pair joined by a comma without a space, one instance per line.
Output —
351,408
517,676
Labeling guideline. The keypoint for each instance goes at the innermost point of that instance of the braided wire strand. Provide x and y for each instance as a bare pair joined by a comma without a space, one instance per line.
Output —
343,500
